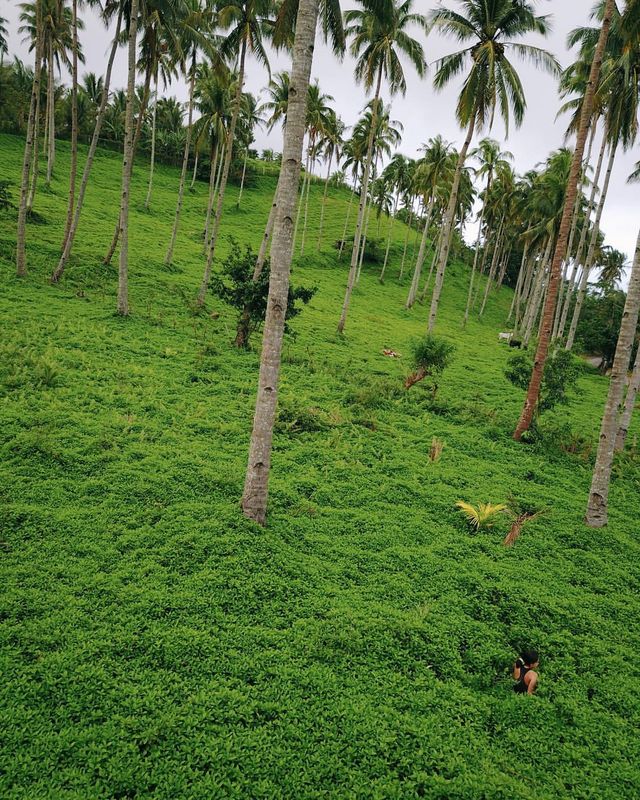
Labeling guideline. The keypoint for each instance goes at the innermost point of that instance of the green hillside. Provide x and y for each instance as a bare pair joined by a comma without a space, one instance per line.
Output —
155,644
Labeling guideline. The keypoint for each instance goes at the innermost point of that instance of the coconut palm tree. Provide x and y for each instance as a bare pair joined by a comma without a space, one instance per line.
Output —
533,391
245,21
396,173
3,40
250,119
489,31
379,33
331,145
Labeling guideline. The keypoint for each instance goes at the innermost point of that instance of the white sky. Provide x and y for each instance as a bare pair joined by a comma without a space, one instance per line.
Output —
423,112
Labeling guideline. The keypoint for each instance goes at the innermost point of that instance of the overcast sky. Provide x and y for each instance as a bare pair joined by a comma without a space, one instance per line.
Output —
423,112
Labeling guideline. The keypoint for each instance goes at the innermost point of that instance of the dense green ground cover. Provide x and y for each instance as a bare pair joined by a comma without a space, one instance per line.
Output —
154,644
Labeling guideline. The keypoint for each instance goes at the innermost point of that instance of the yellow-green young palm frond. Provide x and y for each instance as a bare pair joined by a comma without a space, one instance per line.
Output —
484,516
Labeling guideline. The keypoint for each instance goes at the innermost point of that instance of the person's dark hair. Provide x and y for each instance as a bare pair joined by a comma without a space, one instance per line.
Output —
529,656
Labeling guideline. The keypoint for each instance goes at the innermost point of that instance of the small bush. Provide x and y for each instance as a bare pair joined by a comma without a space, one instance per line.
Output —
482,517
431,355
561,373
6,198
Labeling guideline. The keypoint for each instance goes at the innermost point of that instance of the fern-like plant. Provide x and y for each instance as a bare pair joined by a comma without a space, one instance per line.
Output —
482,517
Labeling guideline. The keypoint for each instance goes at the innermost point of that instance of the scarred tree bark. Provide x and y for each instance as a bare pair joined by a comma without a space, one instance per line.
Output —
597,516
254,499
533,391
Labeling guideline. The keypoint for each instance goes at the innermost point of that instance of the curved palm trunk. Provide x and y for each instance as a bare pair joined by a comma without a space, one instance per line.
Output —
74,123
363,243
303,188
445,244
537,293
324,203
424,291
266,238
123,268
244,172
90,157
51,140
306,209
475,258
533,392
390,230
497,252
195,168
417,272
185,162
21,254
255,495
361,207
591,255
597,507
223,181
406,241
629,405
152,163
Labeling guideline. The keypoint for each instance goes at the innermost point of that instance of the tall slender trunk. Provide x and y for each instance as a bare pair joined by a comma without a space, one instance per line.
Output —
266,237
306,201
597,508
361,207
390,230
213,157
525,293
629,404
185,163
591,255
152,163
406,241
363,242
427,283
445,243
324,203
300,203
475,255
417,272
537,293
346,225
136,137
21,235
519,283
497,252
36,159
533,392
90,156
123,268
51,141
74,122
225,175
244,172
255,495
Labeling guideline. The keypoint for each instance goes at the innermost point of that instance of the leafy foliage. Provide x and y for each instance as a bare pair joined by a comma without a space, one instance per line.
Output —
249,297
561,373
431,355
6,197
483,516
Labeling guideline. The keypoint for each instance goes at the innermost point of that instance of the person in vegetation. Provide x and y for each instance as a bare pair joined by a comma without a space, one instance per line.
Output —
526,679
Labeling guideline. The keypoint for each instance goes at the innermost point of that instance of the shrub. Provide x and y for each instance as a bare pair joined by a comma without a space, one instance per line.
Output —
6,199
249,297
482,517
561,373
431,355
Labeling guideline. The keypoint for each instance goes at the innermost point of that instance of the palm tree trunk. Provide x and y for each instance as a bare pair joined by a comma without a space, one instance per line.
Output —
212,191
266,237
244,172
519,283
533,392
147,201
346,225
361,207
475,259
629,405
36,158
51,141
417,272
591,255
90,156
386,252
21,254
324,203
185,162
406,241
445,243
363,242
497,252
74,122
425,289
305,177
537,293
306,202
123,269
596,516
255,495
225,175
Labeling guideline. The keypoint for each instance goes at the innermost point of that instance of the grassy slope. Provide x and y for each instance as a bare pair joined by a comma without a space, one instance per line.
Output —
156,645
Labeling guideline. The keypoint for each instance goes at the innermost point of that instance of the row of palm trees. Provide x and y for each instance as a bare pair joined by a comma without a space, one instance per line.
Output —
544,215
